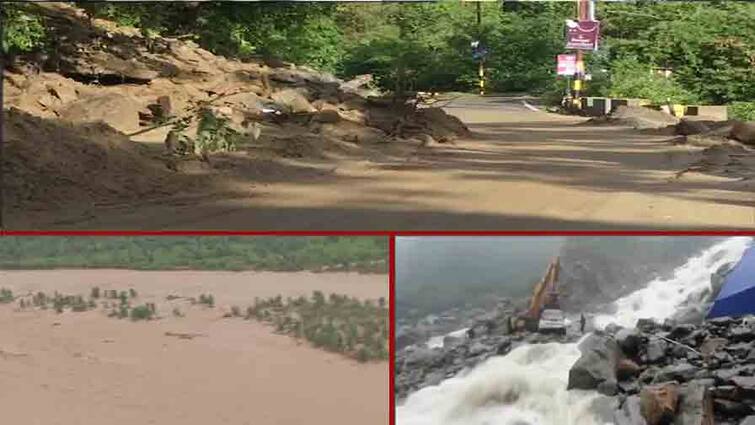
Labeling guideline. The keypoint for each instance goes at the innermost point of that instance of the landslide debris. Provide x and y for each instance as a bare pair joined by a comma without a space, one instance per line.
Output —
101,92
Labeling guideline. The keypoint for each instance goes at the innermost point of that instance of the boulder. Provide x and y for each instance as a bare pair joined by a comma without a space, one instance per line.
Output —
478,348
626,369
743,131
742,333
352,132
450,341
65,92
422,356
687,127
119,111
641,117
656,350
681,371
658,402
695,405
327,116
629,340
248,102
731,407
630,413
711,345
597,364
608,388
646,325
746,385
293,101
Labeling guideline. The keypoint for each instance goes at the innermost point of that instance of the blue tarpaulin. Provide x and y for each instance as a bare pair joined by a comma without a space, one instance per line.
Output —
737,296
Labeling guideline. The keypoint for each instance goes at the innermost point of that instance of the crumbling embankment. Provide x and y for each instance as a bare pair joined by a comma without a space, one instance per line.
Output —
104,88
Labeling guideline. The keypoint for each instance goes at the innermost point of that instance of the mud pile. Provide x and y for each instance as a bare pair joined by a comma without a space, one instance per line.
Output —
49,163
101,86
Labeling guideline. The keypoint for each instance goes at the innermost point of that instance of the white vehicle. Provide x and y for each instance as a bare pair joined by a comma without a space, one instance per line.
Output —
552,320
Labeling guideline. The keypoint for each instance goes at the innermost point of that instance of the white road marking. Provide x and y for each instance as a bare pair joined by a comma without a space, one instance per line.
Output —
530,107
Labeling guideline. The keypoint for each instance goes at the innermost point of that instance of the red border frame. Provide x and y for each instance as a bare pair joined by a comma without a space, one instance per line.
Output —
390,234
392,330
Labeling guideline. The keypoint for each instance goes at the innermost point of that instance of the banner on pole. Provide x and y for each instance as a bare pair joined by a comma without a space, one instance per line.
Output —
582,35
566,65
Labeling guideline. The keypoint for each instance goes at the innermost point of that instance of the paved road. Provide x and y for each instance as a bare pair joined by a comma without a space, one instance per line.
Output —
520,170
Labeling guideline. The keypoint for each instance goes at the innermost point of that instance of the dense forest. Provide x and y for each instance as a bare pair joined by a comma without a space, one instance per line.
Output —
201,253
708,45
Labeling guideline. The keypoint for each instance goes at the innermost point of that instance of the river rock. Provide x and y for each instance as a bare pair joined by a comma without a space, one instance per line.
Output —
656,350
629,340
450,341
630,413
746,384
597,364
658,402
731,407
626,369
680,372
695,405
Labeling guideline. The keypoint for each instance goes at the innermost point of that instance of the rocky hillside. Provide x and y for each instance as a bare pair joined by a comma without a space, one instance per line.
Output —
100,89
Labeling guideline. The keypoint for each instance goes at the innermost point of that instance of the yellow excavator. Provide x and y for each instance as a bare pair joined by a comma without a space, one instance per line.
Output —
544,297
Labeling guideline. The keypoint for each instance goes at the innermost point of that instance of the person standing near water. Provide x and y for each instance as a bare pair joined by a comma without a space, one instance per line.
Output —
582,322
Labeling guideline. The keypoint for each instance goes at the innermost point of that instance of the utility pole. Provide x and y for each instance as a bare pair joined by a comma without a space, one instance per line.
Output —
481,64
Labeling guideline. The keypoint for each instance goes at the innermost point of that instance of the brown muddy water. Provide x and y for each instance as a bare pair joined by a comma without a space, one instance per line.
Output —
86,368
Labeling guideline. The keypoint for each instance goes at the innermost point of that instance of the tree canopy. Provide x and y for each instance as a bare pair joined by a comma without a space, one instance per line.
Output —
709,45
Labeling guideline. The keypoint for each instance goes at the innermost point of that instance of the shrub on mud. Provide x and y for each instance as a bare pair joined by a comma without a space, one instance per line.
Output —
6,296
143,312
358,329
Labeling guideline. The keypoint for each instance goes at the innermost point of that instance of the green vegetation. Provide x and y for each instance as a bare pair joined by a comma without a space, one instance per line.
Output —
742,110
709,45
143,312
203,253
355,328
23,30
207,300
6,296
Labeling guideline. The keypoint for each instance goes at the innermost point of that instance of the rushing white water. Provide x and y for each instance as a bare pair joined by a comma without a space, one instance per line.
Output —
437,341
528,385
661,297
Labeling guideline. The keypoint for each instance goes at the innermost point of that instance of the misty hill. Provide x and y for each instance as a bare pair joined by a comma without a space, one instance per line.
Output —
435,274
598,270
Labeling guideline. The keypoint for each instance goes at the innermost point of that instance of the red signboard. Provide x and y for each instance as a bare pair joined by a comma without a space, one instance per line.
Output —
567,65
582,35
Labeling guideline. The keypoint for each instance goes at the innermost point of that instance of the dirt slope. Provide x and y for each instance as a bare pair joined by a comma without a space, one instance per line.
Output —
103,92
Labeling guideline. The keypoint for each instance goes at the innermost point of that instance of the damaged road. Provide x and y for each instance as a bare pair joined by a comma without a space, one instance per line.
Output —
334,158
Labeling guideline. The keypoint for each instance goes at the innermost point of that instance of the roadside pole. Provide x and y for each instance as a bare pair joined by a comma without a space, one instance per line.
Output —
583,12
481,63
